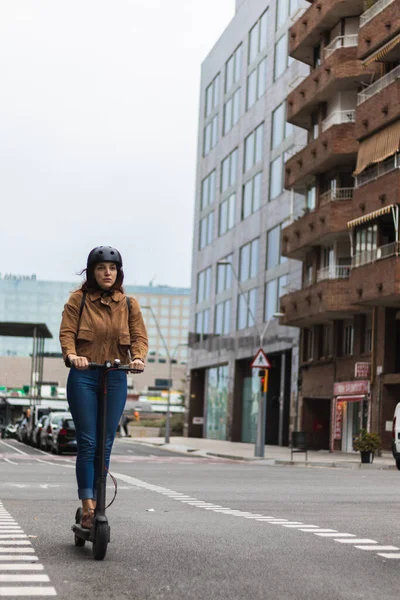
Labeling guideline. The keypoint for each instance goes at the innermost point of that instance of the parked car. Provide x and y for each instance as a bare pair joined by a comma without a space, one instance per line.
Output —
22,430
64,440
37,430
45,407
49,428
396,436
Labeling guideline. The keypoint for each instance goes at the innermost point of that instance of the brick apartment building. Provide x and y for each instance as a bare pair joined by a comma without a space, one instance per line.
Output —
348,307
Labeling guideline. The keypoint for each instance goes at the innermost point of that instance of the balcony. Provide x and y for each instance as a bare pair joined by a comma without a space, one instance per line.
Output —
342,41
382,191
333,272
379,104
379,25
378,86
334,147
320,17
371,174
340,71
375,277
327,299
338,117
326,222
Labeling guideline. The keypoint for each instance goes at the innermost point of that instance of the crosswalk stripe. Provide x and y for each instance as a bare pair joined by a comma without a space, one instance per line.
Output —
28,591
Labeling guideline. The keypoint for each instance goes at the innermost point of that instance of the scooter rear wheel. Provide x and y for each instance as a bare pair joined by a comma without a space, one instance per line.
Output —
80,542
101,539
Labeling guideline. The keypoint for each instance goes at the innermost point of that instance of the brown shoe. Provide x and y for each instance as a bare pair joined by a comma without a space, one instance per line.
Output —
87,519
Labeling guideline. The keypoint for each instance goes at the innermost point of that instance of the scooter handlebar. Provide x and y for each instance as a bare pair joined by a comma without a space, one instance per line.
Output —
109,365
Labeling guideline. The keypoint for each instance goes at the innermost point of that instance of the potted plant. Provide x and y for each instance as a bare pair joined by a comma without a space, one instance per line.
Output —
367,444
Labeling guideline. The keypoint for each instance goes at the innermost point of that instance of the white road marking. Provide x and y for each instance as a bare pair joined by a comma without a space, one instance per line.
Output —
11,578
10,461
357,541
14,448
21,557
16,535
17,550
300,526
288,524
337,535
319,530
397,556
15,543
375,548
21,567
28,591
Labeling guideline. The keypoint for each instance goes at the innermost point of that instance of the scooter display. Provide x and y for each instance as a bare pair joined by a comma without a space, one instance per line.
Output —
99,534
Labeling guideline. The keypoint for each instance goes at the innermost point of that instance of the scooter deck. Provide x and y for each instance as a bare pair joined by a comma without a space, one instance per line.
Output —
81,532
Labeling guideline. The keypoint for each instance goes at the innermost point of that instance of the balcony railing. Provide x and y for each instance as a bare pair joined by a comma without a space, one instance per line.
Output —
342,41
378,170
333,272
370,256
379,85
339,117
374,10
336,194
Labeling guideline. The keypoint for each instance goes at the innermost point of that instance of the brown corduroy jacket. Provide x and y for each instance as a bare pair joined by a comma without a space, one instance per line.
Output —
105,330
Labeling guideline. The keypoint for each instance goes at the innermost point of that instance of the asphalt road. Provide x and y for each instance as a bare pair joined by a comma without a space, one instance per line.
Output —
185,527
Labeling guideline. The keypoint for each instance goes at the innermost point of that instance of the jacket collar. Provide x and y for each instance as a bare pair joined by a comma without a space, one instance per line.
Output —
116,295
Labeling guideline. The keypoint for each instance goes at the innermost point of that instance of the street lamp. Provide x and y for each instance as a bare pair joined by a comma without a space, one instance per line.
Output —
259,448
170,359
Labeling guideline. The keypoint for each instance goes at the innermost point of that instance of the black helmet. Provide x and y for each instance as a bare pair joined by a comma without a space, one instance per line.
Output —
104,254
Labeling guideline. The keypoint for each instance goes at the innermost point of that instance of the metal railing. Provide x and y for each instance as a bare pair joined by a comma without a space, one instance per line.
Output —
338,118
373,11
342,41
333,272
378,170
336,194
370,256
379,85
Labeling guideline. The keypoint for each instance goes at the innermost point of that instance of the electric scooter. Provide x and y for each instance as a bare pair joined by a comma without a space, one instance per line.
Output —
99,534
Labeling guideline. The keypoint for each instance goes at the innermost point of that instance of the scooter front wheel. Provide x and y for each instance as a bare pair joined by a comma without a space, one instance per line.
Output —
100,541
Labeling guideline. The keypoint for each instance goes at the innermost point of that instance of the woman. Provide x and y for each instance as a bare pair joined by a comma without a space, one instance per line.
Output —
99,323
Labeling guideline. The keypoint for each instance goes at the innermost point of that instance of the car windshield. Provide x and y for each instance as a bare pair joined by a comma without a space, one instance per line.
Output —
69,424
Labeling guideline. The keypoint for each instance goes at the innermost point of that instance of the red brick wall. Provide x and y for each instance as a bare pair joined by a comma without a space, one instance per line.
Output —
379,30
317,381
377,194
378,111
377,281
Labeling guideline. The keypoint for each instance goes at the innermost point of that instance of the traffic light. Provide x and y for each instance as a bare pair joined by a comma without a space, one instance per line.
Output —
263,374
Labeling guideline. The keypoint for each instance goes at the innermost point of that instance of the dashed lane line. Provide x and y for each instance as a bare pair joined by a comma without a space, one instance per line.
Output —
17,556
337,536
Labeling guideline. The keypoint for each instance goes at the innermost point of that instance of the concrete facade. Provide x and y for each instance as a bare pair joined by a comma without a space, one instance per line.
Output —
235,346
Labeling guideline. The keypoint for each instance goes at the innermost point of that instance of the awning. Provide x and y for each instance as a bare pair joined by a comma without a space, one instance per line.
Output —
378,147
371,216
349,398
383,51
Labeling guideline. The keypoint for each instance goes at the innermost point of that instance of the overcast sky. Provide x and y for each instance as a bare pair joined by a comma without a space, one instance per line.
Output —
98,132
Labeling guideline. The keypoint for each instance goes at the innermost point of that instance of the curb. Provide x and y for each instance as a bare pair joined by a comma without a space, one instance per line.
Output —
268,461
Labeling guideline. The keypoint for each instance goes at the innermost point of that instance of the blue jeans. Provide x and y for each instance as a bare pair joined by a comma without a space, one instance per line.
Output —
83,393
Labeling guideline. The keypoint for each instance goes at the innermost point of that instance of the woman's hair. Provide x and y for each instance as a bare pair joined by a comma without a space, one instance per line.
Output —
90,284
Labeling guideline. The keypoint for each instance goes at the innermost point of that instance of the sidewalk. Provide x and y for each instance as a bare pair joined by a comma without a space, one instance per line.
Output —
274,455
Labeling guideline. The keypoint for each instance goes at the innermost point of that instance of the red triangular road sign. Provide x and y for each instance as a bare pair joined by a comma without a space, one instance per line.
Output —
260,361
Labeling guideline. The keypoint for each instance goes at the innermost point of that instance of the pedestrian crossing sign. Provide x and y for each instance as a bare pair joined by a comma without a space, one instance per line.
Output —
260,361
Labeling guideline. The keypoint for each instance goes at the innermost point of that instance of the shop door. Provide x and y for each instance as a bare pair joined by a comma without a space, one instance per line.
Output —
351,424
251,398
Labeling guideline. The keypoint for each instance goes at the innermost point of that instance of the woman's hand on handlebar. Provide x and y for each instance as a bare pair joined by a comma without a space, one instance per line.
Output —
137,364
79,362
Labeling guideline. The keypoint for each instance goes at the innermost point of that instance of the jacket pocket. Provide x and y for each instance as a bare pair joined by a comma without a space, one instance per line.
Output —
124,339
85,335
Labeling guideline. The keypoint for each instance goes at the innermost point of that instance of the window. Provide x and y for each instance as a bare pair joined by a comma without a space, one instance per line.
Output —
281,57
206,231
233,69
311,198
274,257
203,322
164,312
271,299
248,267
203,285
176,302
317,56
227,214
232,111
326,345
173,332
222,325
258,37
282,12
246,309
208,190
229,171
210,135
282,286
253,148
256,83
276,178
366,242
252,191
348,339
308,344
281,129
212,96
224,275
165,301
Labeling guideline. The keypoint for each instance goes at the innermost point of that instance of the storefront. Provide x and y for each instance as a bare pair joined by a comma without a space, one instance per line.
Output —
216,402
350,413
